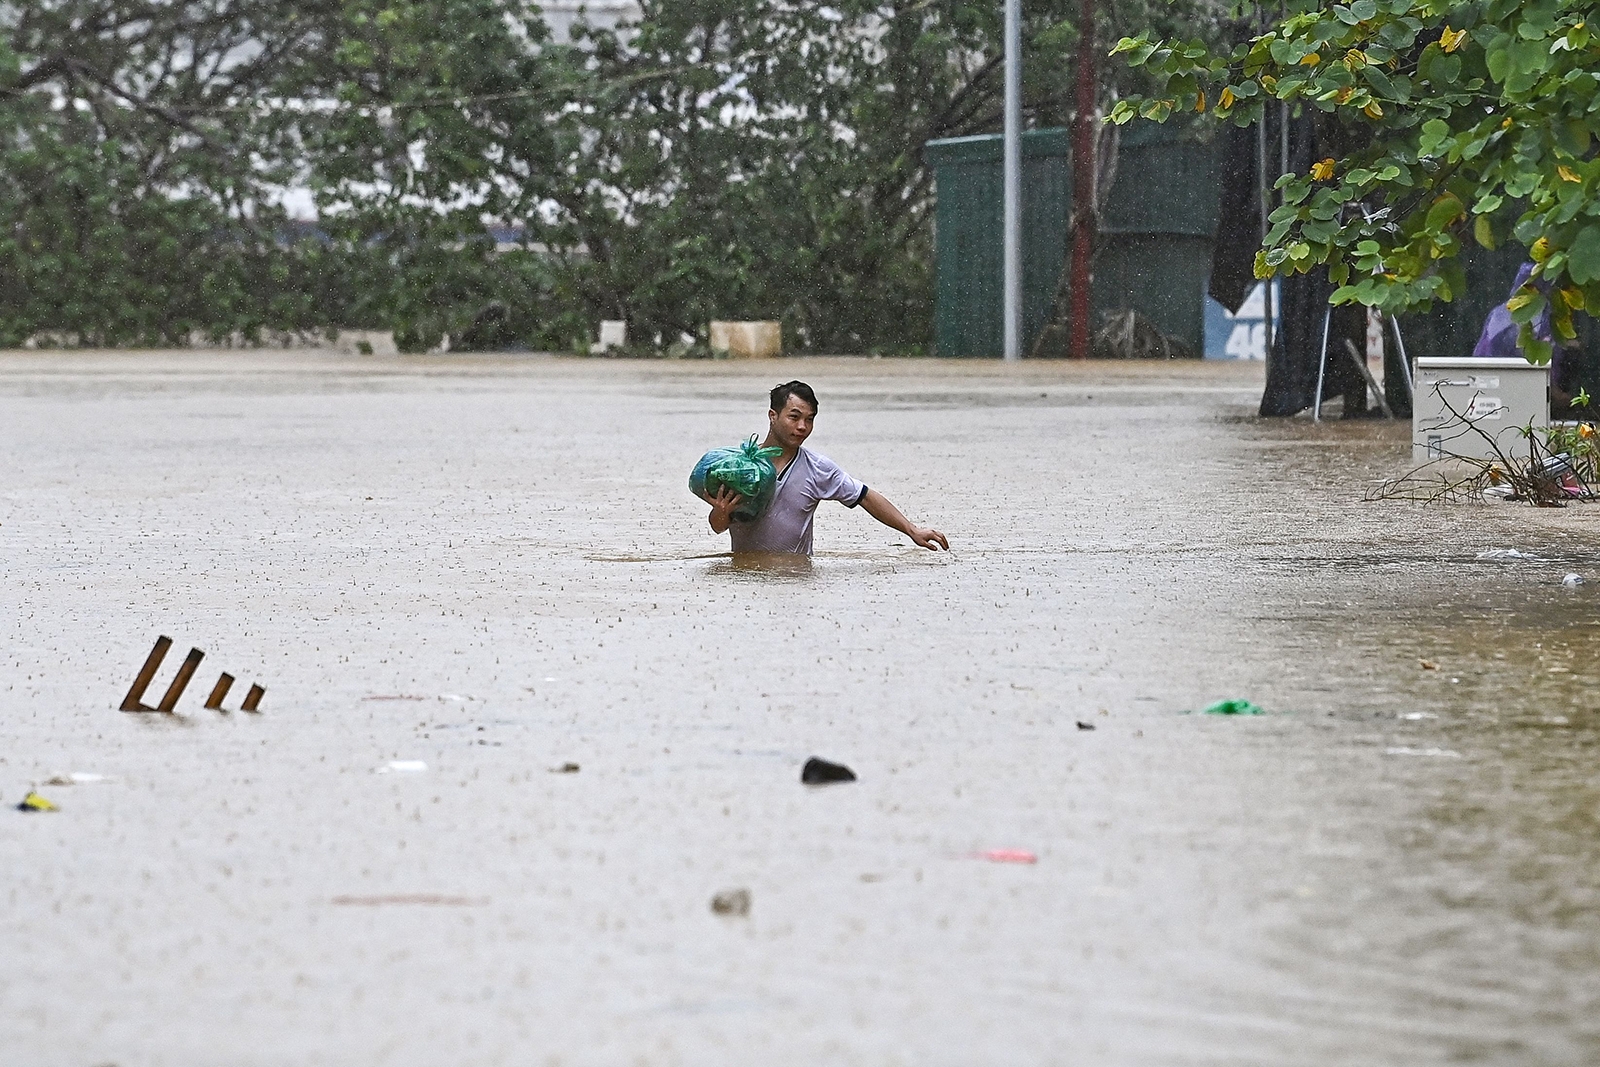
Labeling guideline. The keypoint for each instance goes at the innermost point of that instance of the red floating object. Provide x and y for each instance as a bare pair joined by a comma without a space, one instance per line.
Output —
1007,855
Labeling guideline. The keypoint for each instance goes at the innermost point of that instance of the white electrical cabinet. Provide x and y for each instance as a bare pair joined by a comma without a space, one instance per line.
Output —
1501,397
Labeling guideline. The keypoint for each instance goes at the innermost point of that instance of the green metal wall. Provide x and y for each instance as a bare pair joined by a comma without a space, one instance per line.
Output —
1154,248
1162,276
970,245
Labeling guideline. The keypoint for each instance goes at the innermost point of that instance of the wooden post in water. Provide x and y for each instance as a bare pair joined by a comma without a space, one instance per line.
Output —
218,691
152,663
180,682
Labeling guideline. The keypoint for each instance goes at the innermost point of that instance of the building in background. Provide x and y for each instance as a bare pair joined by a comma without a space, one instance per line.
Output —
561,15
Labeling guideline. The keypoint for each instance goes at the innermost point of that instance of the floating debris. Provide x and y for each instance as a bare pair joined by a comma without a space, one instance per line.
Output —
431,899
1497,554
731,902
402,766
821,772
1232,707
35,802
77,778
1006,855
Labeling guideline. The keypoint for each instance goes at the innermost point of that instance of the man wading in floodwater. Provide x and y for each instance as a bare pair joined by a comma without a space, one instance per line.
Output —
805,479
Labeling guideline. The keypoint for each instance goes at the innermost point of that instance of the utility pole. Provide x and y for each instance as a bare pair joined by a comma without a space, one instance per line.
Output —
1013,182
1084,133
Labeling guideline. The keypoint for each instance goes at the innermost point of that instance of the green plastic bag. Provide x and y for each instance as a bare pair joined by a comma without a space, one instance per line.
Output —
1232,707
747,470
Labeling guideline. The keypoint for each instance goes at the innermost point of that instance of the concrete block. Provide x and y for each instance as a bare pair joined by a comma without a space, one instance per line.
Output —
748,340
378,342
613,334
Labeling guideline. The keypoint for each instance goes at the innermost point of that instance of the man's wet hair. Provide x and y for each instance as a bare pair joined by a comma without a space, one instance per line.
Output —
782,393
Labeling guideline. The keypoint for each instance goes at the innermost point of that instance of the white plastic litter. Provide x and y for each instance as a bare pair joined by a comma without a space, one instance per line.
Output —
1572,581
1406,751
1510,553
402,766
77,778
1415,715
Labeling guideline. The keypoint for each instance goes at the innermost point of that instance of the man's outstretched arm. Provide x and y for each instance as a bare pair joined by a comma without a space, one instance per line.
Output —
878,506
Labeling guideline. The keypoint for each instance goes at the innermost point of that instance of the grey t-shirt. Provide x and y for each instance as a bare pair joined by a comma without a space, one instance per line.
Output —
786,524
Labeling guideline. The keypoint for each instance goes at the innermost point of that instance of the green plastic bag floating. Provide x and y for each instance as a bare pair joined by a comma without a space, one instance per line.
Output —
747,470
1232,707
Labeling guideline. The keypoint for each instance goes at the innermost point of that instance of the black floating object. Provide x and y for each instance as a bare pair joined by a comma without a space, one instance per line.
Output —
821,772
1085,725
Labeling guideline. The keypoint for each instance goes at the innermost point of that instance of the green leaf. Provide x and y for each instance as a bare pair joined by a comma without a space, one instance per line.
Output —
1527,305
1453,279
1434,134
1444,211
1573,136
1583,256
1483,232
1498,59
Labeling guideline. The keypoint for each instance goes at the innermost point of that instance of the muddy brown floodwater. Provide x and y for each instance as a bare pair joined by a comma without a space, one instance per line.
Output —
493,566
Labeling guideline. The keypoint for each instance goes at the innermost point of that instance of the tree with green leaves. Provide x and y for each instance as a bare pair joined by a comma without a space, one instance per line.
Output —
759,159
130,183
717,159
1453,121
146,150
431,118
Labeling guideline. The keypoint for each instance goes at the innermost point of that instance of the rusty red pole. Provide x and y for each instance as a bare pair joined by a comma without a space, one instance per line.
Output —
1084,133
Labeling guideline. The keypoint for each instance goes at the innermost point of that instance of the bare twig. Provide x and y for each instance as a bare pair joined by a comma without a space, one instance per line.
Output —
1455,478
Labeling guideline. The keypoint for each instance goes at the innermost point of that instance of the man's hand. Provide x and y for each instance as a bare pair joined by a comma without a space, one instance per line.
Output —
930,539
722,504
